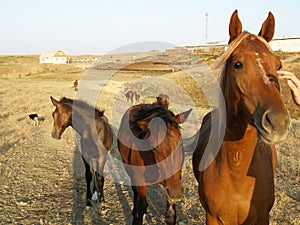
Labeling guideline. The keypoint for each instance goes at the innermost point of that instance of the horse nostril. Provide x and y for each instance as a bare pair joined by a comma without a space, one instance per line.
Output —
267,122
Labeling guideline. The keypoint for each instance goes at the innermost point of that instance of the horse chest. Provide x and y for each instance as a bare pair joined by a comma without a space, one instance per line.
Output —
231,203
239,188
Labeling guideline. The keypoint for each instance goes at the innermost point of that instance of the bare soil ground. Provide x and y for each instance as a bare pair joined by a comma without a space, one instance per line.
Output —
42,179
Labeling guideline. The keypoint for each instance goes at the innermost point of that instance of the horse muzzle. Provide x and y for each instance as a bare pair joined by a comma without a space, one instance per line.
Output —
274,126
175,194
55,135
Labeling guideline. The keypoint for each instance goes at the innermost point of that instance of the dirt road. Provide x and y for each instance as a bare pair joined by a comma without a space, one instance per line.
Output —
42,179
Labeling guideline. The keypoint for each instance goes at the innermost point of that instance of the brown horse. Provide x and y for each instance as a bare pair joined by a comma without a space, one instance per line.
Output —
95,139
149,141
130,94
237,185
75,85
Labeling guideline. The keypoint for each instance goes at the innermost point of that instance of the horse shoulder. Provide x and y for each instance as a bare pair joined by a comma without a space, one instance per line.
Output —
104,132
200,143
265,157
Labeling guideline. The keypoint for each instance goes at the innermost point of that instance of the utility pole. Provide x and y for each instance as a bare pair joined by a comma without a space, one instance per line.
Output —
206,28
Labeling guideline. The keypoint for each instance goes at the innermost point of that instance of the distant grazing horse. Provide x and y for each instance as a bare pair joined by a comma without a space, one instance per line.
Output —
137,97
149,141
96,139
130,94
75,84
237,187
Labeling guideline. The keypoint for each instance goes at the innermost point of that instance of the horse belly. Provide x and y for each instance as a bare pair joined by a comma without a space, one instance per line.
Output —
140,165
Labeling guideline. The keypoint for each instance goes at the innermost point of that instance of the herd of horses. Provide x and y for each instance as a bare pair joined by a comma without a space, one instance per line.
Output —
237,184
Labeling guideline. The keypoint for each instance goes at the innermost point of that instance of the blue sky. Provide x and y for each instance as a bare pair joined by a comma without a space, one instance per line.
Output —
98,26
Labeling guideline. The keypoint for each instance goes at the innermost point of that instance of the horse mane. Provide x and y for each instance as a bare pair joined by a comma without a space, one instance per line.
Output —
145,112
82,105
235,43
148,111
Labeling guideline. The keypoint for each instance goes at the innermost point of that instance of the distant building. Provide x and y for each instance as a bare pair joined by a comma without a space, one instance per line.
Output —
286,44
211,47
178,51
56,57
279,44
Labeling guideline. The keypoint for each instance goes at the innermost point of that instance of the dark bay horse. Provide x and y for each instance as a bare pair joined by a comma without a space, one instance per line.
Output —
96,139
130,94
137,97
75,85
149,141
237,186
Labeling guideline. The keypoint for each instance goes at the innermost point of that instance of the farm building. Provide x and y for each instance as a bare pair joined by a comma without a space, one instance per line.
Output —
55,57
212,47
280,44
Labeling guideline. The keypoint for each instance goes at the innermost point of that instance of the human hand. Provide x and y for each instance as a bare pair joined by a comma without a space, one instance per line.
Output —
294,84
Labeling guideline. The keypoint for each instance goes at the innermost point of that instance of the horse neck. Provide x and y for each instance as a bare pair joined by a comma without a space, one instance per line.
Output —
235,109
237,152
240,135
80,123
231,97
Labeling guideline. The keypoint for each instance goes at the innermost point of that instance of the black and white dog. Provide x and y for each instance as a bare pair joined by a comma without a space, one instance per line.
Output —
36,118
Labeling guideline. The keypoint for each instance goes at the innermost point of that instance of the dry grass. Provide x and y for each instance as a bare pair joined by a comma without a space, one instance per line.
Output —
41,179
290,62
29,67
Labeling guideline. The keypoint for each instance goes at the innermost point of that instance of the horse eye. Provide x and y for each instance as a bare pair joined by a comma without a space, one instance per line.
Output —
238,65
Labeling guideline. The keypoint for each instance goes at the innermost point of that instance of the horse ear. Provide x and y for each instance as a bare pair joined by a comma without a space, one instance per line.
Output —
268,28
181,117
235,26
54,101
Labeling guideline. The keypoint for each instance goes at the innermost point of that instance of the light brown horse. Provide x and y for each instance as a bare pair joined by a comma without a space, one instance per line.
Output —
149,141
237,186
96,139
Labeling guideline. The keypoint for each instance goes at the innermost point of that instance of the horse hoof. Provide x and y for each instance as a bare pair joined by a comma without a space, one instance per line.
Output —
88,203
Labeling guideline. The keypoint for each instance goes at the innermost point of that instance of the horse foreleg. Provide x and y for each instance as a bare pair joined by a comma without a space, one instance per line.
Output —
170,216
98,186
140,204
210,220
88,178
99,179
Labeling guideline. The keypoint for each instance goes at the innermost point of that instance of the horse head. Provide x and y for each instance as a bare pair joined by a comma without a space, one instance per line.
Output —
249,81
62,117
